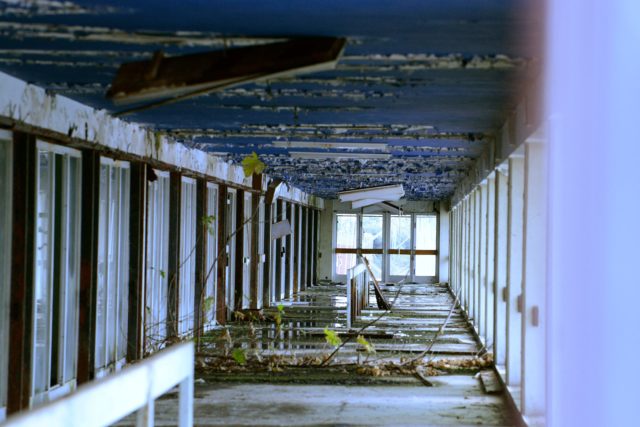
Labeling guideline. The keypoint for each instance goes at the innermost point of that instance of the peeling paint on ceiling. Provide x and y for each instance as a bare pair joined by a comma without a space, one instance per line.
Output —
428,81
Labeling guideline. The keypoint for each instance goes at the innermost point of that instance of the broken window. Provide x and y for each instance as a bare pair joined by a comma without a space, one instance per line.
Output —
5,261
157,260
113,266
57,265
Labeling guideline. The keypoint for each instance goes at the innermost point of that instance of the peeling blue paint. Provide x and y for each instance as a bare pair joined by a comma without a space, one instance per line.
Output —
431,80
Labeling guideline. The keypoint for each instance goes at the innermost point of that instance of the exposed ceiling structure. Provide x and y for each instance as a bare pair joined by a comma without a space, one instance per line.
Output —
419,91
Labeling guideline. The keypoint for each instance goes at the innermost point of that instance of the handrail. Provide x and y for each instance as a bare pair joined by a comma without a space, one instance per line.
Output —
357,292
109,399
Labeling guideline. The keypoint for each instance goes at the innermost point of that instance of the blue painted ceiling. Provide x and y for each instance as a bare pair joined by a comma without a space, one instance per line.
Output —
428,81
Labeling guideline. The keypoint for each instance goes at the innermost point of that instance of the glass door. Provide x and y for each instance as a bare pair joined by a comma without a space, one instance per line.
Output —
426,243
399,248
372,242
346,244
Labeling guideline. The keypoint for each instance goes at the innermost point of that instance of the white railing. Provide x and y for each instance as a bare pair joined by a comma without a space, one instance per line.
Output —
357,292
109,399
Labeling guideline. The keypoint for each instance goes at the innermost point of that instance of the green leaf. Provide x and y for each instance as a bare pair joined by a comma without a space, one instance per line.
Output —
280,308
278,318
208,304
252,165
368,347
332,337
163,274
209,223
239,356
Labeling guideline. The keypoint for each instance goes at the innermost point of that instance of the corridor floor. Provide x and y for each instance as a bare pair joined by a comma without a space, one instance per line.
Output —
255,372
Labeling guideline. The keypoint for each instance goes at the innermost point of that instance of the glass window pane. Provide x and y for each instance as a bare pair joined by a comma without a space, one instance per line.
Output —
346,231
400,232
372,232
43,273
399,265
73,270
425,265
157,262
112,266
345,262
101,296
212,250
123,267
375,263
426,231
187,257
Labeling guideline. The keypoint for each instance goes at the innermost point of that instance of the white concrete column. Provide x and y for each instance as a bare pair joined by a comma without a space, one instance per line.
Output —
534,283
500,262
468,225
482,261
443,242
514,270
592,93
489,257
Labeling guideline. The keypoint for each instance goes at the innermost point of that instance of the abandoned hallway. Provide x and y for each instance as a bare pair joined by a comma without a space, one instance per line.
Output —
319,212
402,380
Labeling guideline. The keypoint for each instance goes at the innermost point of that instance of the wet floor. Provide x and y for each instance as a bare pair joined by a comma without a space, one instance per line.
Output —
262,372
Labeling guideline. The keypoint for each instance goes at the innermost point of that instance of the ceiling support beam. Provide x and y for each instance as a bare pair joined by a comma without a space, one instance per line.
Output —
180,77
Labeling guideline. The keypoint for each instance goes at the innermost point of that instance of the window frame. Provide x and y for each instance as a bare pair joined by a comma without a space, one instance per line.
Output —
120,222
187,258
61,321
386,250
210,274
156,297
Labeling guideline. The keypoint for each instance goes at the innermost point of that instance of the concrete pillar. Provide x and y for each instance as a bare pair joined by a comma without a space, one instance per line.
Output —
592,105
443,244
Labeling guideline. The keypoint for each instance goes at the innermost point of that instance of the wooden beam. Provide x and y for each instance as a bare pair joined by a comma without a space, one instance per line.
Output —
202,235
314,259
287,252
221,280
199,73
304,250
309,246
279,282
137,216
255,236
268,244
88,265
173,294
295,240
238,291
22,275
